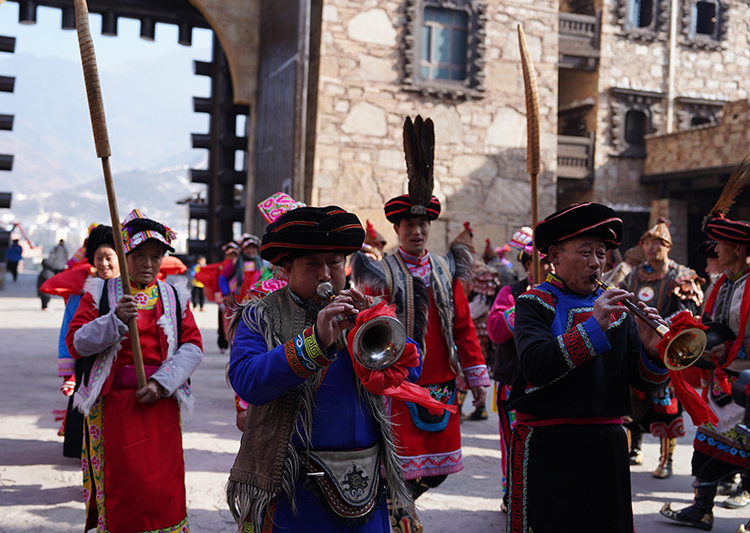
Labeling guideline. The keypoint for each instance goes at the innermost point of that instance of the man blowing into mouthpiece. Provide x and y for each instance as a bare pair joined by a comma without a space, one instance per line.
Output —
317,451
579,350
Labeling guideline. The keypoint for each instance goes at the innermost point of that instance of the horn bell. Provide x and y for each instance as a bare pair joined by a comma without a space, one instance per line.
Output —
685,349
379,342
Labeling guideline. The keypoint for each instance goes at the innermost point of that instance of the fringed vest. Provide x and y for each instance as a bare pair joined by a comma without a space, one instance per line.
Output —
268,462
400,287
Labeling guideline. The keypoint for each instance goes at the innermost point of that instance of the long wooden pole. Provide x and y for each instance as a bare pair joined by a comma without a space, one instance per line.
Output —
532,131
101,141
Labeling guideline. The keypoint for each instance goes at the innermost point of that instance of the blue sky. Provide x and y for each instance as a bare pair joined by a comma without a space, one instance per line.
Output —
46,39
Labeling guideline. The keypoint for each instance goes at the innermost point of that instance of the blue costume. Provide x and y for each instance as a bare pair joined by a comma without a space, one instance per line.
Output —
341,418
317,451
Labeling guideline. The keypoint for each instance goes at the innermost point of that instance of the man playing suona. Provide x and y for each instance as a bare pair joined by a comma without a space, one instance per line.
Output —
578,352
315,435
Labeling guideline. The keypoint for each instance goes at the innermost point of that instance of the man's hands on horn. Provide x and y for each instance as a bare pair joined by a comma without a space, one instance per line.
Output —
649,336
609,302
336,316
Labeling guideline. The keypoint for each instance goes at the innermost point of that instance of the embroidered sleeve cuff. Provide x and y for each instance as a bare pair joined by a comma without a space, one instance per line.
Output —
477,376
651,372
510,318
599,340
582,342
66,366
305,356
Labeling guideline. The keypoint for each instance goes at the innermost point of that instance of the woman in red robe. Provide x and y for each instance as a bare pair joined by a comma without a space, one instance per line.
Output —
133,465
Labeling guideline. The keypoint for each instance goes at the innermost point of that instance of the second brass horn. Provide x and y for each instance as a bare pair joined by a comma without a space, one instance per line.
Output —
379,342
683,350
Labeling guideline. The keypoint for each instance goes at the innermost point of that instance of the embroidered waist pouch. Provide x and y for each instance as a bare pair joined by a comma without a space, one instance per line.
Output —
348,479
444,393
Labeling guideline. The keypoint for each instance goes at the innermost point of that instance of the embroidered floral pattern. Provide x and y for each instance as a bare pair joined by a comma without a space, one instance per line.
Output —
92,463
439,392
146,298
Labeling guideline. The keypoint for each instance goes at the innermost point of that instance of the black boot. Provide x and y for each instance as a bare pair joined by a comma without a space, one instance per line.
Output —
700,514
480,413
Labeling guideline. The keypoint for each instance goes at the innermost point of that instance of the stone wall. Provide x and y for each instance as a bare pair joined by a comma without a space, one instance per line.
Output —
704,70
703,147
480,161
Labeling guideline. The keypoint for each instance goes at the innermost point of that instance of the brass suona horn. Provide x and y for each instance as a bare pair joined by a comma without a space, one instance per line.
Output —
683,350
378,343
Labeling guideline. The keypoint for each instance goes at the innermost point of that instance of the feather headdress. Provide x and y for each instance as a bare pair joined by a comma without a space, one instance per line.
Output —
419,149
732,190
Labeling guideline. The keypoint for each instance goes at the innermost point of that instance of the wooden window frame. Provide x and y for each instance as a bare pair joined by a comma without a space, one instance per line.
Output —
472,87
700,41
656,31
623,100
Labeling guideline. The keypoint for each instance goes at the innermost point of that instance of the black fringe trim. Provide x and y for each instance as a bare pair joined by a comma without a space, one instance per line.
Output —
463,260
367,272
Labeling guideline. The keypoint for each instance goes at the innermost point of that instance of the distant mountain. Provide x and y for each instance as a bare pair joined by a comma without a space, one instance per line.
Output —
150,117
154,193
148,106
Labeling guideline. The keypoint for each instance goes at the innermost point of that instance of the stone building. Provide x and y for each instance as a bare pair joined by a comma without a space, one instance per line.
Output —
328,84
690,167
309,97
663,66
610,74
376,69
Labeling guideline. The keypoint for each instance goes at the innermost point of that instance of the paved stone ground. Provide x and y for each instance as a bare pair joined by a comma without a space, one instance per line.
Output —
40,489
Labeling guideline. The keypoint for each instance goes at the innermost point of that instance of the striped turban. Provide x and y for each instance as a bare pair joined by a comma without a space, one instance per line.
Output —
311,230
579,220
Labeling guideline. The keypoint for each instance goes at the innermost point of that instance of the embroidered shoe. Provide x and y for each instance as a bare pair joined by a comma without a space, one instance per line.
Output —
729,487
690,516
636,457
737,500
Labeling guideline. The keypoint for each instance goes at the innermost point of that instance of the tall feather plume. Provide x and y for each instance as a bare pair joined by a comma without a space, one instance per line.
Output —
419,149
732,190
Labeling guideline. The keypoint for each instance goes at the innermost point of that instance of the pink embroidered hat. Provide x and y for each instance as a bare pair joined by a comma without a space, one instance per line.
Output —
276,205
